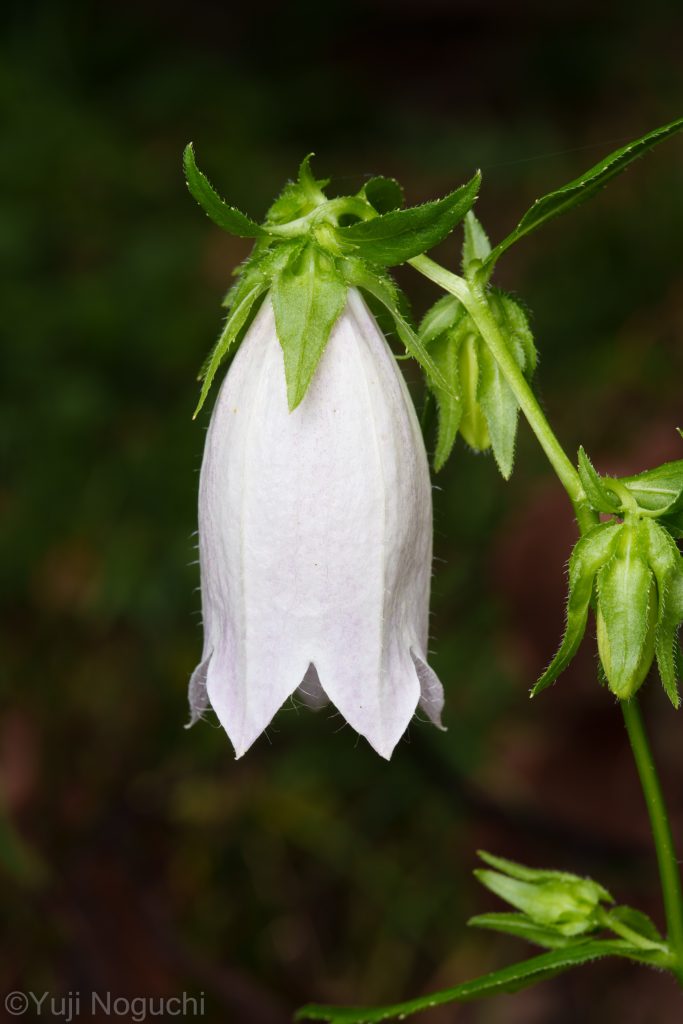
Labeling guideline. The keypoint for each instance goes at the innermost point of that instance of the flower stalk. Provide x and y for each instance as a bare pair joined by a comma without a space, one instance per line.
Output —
283,612
669,872
473,298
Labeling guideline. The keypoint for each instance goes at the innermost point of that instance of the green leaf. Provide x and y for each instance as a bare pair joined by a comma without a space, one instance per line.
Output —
626,613
583,187
598,494
225,216
500,408
381,287
589,555
308,295
476,245
522,927
383,194
399,235
237,318
657,490
509,979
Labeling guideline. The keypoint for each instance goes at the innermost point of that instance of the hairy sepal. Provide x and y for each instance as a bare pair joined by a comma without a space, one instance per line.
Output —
590,554
308,296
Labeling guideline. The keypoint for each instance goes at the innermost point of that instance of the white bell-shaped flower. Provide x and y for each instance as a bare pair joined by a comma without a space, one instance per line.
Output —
315,540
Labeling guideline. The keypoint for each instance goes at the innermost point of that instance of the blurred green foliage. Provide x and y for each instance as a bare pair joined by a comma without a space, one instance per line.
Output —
310,869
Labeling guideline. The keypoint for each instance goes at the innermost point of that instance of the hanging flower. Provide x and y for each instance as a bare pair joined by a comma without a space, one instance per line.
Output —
315,539
315,506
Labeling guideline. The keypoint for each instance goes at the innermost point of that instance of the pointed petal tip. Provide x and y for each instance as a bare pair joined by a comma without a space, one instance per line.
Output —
431,691
197,695
382,747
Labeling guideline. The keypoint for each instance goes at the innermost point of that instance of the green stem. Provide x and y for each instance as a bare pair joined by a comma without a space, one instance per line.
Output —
473,298
475,302
661,830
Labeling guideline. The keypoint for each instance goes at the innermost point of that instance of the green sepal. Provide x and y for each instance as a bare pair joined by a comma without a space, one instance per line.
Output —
383,194
308,296
513,320
290,205
446,354
221,213
495,395
582,188
481,405
658,490
599,496
626,612
475,246
450,407
379,285
297,198
443,329
590,553
242,308
500,408
636,921
526,874
399,235
676,593
311,187
665,561
522,927
444,315
242,302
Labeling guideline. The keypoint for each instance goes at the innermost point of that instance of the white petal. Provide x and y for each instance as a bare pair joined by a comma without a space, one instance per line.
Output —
315,537
431,690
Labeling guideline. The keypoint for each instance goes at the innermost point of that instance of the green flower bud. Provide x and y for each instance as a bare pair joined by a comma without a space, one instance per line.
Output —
567,903
627,613
479,404
624,685
473,425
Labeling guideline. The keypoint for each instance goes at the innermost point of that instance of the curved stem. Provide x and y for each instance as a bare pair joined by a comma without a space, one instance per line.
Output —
473,298
661,830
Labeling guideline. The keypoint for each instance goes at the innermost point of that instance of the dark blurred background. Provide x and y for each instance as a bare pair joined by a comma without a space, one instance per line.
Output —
141,859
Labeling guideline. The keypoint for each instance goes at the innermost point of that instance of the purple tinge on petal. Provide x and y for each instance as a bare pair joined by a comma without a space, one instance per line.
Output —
197,694
431,690
310,690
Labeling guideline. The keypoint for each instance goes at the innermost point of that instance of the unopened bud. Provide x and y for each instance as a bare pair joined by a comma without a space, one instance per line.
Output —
627,614
564,902
473,426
